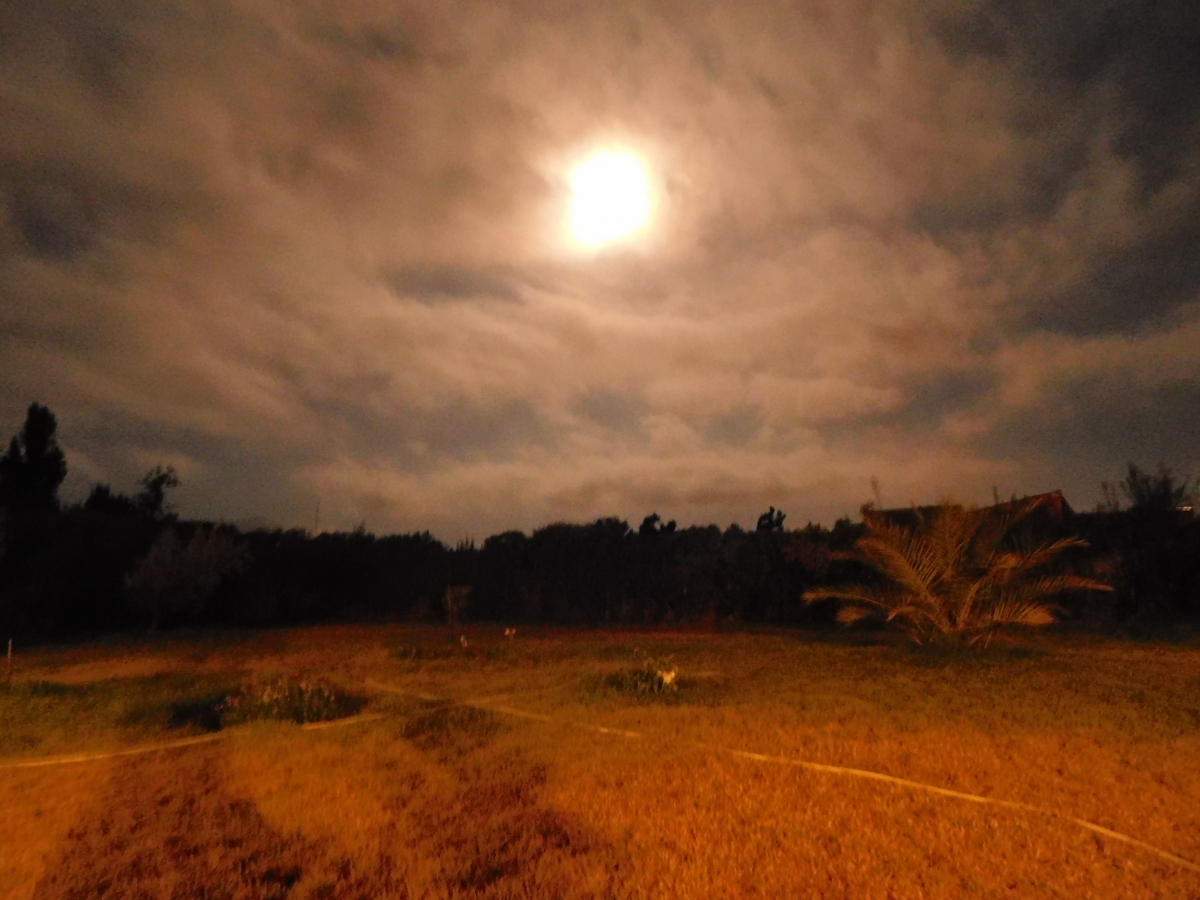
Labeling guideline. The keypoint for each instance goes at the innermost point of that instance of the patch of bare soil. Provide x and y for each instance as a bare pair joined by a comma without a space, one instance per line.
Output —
169,829
469,824
487,828
493,839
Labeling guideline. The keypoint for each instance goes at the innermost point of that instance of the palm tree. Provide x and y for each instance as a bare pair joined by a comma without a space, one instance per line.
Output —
956,574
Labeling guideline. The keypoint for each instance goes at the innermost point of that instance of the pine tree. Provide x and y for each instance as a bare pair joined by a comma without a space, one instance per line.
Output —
33,467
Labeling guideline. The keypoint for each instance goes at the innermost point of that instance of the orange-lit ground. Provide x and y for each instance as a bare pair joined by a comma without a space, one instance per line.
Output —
438,801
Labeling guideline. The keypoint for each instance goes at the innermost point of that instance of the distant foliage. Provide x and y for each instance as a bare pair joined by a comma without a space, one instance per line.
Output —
653,524
771,520
955,574
150,501
116,558
178,575
293,577
454,600
33,467
1161,493
1154,545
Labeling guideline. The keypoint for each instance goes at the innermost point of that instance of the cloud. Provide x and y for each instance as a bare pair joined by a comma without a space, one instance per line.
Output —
1141,56
1138,285
433,283
319,252
1095,194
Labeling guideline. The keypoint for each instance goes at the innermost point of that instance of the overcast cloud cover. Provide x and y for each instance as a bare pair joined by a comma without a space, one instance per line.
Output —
317,250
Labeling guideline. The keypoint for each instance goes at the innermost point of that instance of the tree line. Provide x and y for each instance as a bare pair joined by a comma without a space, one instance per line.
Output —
126,561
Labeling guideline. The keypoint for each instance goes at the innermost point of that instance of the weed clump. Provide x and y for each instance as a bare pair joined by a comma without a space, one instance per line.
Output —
279,700
656,676
205,713
289,700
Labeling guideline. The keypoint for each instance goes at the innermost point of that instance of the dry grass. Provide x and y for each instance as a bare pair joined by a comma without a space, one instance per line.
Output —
40,806
440,801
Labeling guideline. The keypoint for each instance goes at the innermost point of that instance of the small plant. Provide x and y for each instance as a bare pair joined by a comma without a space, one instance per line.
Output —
655,675
204,713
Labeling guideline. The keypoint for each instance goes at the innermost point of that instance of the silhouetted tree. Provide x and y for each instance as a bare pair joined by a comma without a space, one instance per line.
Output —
502,583
454,601
33,466
179,574
810,561
103,499
1157,544
151,499
577,573
771,520
1161,493
653,524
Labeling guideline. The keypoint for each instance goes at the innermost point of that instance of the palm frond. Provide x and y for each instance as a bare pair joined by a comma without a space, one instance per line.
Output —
848,615
1041,556
899,554
919,616
954,574
853,593
1052,585
1014,612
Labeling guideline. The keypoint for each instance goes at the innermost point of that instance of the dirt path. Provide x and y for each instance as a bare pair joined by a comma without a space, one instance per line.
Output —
466,822
169,828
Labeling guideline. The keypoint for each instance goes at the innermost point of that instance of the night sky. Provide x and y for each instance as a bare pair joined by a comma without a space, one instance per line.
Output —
307,251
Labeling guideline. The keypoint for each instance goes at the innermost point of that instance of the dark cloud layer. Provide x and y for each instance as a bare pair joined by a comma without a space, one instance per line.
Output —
1126,75
1131,287
431,283
317,252
1144,57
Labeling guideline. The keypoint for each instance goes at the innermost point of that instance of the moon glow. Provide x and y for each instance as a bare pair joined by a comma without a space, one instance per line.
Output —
610,198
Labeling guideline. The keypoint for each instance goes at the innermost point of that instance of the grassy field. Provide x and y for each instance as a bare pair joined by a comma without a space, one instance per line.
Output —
483,772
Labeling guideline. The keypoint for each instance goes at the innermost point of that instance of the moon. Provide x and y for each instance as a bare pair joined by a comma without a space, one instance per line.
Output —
610,198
